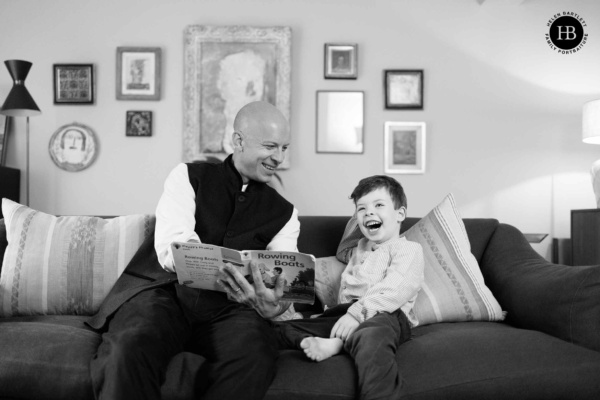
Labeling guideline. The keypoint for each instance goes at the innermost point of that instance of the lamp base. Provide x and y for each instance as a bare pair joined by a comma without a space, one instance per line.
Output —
595,173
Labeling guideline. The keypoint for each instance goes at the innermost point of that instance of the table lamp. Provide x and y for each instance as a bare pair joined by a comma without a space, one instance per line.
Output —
19,103
591,134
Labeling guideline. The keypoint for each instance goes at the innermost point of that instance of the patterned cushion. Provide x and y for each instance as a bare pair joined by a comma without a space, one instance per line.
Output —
64,265
327,279
454,289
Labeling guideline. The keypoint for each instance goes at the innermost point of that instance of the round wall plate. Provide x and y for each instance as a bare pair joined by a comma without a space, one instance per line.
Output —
73,147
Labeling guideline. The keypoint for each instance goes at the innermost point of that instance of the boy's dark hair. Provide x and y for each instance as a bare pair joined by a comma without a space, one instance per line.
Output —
394,188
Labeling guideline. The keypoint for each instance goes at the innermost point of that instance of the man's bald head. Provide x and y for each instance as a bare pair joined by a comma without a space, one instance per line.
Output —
259,116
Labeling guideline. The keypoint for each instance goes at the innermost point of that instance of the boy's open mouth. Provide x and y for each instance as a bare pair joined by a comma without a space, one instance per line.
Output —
373,226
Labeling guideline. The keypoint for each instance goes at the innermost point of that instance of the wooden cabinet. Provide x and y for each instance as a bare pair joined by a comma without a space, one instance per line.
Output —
10,184
585,236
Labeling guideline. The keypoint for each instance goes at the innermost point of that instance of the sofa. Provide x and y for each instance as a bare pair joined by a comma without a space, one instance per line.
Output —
547,346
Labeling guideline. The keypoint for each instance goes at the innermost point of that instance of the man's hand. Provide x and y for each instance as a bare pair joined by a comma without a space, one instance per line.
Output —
265,301
344,327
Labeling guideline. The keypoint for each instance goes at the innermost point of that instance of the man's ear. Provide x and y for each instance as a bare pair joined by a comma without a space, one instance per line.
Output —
236,138
401,214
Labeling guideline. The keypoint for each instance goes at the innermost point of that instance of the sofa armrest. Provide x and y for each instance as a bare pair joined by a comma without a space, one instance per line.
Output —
560,300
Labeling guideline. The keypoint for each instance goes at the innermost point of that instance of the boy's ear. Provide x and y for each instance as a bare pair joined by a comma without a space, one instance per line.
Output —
401,214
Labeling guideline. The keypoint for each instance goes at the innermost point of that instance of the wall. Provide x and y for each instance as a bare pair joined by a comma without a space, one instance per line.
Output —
503,111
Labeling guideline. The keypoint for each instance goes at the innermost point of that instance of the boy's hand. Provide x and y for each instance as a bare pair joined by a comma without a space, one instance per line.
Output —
344,327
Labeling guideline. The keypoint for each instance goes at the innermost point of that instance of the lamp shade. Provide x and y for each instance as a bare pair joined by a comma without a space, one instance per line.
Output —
591,122
19,102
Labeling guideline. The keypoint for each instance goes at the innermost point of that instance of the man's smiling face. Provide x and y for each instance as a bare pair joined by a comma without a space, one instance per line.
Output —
261,140
377,219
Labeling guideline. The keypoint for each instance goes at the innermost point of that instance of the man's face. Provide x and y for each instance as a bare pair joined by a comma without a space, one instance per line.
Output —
263,151
377,219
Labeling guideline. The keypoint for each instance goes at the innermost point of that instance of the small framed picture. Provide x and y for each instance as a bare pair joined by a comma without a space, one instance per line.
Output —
138,73
73,83
139,123
403,89
404,147
341,61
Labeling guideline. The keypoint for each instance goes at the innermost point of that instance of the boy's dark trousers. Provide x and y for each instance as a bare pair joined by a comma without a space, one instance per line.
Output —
372,346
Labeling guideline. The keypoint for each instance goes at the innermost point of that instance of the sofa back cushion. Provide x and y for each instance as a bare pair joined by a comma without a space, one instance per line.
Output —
64,265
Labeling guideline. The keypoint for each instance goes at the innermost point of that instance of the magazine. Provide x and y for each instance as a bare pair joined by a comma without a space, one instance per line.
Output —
197,265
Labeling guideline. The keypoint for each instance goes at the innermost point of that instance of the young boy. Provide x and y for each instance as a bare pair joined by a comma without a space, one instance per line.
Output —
377,292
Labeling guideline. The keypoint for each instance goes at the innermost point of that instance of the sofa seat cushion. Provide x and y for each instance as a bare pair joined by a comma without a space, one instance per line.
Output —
45,361
478,360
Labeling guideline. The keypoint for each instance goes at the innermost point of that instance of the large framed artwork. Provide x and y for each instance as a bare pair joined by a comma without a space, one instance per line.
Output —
227,67
404,147
138,73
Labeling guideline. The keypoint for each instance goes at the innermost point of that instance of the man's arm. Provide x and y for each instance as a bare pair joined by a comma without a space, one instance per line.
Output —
175,215
401,284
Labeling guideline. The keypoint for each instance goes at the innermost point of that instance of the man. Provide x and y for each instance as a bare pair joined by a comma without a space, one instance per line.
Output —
226,204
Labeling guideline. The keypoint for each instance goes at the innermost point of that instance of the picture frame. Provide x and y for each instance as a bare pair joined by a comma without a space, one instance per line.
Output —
138,73
227,67
73,84
404,147
340,122
341,60
404,89
138,123
5,124
73,147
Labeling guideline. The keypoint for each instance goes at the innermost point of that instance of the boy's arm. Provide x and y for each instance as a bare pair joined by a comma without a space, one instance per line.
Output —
401,284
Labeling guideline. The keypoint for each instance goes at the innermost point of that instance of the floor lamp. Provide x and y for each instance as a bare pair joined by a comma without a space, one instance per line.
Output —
19,103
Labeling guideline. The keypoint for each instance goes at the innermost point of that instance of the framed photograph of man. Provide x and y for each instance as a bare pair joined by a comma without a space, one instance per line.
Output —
73,147
138,73
138,123
341,61
404,147
227,67
403,89
73,83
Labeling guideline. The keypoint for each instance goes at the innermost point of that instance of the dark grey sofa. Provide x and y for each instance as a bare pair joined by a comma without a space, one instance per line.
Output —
547,348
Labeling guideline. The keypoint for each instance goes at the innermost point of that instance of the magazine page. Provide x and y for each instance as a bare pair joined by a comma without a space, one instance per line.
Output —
299,269
197,264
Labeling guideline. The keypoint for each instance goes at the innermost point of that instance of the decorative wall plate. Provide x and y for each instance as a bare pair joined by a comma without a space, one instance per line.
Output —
73,147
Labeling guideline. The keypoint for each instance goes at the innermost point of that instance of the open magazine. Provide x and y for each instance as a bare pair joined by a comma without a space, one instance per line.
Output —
197,265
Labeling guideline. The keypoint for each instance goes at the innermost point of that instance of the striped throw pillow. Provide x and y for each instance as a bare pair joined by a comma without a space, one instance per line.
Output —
454,289
64,265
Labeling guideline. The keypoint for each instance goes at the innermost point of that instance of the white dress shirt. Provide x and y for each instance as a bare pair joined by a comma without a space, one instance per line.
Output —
383,278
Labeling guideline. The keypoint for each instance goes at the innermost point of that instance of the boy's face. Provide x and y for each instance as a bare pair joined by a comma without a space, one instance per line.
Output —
377,218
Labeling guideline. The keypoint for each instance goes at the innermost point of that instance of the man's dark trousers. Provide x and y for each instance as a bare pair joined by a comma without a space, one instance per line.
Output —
158,323
373,347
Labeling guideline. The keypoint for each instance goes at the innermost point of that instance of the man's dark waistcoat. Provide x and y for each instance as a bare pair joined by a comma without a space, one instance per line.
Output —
225,216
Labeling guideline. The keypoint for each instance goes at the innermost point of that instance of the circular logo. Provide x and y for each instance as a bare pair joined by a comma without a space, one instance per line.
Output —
566,33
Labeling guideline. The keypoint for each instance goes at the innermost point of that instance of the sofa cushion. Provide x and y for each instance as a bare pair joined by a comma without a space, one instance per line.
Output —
495,361
64,265
454,289
327,279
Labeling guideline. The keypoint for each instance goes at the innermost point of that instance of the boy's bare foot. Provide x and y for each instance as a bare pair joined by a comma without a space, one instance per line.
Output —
319,349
